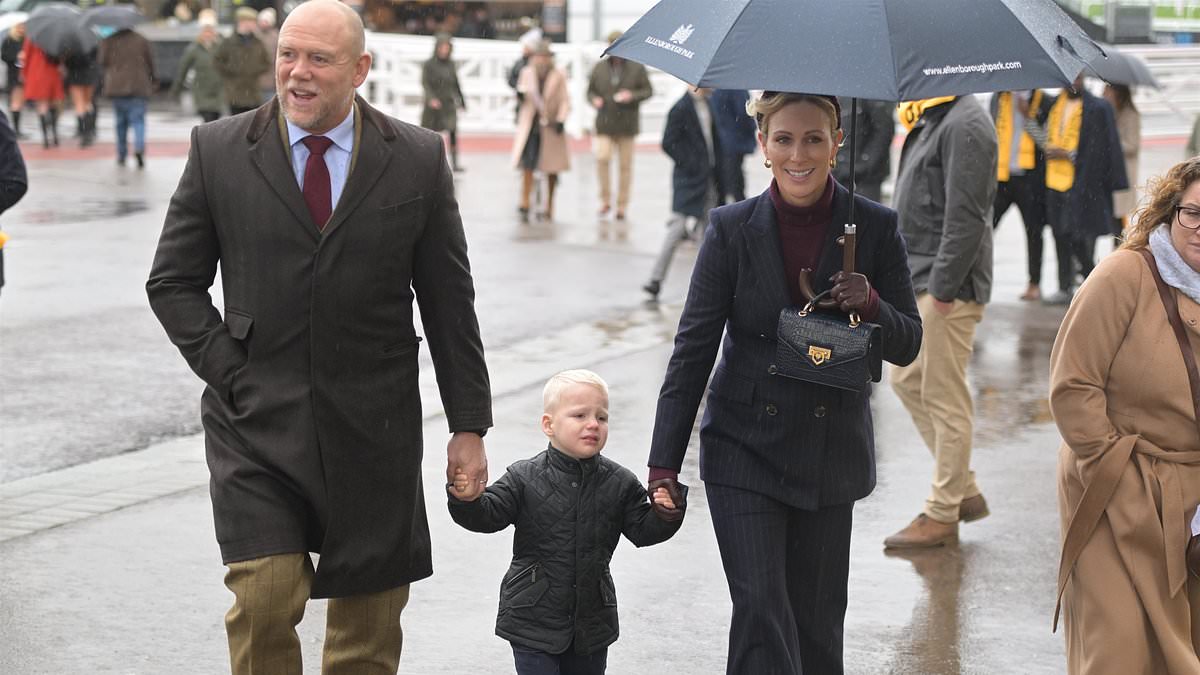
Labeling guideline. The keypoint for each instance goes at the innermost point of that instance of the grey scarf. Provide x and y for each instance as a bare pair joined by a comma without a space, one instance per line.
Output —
1173,268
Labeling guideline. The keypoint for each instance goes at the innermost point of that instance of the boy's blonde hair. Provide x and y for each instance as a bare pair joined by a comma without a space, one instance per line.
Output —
556,384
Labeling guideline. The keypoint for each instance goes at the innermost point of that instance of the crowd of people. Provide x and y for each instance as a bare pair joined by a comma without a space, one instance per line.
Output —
312,406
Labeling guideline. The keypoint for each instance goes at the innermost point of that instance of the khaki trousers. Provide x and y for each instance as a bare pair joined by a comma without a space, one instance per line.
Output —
362,633
603,147
934,390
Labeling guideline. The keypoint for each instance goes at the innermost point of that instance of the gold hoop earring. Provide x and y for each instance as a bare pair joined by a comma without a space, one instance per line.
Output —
767,163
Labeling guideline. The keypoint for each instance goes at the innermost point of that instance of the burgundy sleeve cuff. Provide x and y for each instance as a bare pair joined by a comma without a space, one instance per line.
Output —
658,473
871,311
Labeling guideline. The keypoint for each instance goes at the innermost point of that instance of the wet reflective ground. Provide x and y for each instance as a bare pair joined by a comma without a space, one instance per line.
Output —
85,372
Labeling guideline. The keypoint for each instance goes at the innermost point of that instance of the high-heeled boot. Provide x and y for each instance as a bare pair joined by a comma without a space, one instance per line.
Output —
54,126
44,121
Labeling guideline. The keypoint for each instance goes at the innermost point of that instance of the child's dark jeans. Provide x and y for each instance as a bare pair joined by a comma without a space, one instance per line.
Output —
532,662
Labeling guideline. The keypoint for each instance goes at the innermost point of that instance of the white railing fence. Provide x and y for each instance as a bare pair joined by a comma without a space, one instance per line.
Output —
394,84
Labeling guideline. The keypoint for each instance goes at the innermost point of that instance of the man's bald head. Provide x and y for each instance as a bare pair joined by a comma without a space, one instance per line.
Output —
320,61
328,13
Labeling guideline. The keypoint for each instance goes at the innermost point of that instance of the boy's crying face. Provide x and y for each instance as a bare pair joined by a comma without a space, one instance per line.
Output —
578,422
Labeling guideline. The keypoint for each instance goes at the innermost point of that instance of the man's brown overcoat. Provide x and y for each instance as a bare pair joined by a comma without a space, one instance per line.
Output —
312,414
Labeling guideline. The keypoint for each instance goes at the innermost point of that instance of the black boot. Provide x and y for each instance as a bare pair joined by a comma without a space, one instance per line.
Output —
79,126
89,130
44,120
54,126
454,165
141,160
16,120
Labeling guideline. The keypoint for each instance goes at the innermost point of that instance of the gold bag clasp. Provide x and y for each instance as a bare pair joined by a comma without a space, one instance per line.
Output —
819,355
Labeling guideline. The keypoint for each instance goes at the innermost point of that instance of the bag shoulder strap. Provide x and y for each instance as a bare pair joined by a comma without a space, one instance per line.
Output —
1185,346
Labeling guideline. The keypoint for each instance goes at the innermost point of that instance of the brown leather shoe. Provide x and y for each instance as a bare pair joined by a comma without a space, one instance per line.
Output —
972,509
923,532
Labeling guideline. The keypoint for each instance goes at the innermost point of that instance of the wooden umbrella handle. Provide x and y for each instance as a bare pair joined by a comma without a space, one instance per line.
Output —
849,248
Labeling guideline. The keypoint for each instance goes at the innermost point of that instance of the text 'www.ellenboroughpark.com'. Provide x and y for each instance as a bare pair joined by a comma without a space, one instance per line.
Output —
976,68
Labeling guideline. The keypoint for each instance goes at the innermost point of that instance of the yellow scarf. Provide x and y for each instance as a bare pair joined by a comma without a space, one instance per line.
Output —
1060,173
1004,121
910,111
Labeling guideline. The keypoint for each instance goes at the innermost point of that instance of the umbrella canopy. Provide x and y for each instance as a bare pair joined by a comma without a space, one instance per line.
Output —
55,27
891,50
113,17
1118,67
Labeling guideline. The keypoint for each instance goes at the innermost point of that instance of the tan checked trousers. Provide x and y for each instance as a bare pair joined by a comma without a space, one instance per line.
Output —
362,633
934,390
603,147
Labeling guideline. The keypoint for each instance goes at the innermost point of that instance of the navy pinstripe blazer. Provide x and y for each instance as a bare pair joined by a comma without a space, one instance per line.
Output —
804,444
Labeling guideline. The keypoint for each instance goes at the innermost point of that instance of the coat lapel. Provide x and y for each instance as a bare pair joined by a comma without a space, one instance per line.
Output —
271,158
765,252
372,154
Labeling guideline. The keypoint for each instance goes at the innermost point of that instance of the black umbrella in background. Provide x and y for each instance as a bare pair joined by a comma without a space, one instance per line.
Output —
112,17
1122,68
892,50
55,27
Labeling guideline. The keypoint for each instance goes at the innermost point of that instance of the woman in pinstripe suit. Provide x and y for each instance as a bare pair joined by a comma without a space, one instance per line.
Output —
783,461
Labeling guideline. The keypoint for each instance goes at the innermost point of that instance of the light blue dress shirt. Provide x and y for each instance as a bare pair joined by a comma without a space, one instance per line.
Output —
337,157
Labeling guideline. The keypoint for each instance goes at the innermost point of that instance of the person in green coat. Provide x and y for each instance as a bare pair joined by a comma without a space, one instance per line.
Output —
443,95
207,86
241,59
616,89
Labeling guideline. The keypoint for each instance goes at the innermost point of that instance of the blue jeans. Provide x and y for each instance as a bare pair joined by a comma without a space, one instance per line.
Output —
533,662
130,110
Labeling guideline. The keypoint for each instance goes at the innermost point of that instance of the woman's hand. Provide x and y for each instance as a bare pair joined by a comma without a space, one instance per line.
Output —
850,291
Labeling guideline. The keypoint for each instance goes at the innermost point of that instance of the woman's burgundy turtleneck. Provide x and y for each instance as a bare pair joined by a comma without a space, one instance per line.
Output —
802,231
802,234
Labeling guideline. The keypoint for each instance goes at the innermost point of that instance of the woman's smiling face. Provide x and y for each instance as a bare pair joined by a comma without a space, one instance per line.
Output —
800,141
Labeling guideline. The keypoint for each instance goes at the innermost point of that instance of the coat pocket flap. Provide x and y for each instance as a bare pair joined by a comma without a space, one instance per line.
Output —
238,323
731,387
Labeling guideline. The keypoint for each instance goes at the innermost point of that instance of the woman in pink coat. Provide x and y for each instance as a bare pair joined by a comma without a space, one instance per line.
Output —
541,143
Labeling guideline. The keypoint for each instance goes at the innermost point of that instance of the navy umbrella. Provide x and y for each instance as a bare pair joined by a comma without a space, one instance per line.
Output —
55,28
1118,67
892,50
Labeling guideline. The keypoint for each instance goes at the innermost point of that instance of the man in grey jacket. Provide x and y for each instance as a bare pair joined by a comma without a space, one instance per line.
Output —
944,193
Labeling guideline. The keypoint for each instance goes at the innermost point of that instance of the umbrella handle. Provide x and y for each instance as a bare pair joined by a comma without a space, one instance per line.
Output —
849,248
809,294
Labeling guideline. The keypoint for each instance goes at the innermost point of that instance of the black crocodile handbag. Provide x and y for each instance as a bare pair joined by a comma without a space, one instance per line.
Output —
828,349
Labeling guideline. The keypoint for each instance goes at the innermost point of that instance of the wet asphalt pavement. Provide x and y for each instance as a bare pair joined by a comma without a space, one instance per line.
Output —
86,375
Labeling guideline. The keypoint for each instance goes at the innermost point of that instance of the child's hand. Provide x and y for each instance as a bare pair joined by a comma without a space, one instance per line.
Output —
460,488
663,498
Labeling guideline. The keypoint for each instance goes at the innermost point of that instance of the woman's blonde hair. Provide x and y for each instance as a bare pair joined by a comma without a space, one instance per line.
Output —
559,382
1163,194
771,102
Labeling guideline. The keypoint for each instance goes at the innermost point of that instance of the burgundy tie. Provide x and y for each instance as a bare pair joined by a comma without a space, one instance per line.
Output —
316,180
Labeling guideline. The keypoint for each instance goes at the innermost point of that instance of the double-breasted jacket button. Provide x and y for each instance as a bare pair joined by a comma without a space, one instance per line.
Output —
819,411
574,483
771,369
772,410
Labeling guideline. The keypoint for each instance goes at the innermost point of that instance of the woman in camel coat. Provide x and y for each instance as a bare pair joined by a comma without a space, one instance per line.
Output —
541,143
1129,466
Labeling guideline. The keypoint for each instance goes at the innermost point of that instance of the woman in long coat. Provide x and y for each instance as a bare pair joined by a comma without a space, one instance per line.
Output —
443,95
1129,465
43,86
782,460
541,142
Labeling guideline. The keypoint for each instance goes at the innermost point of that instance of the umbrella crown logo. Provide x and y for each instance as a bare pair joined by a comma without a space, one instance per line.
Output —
682,34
